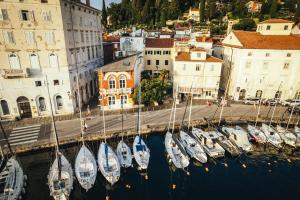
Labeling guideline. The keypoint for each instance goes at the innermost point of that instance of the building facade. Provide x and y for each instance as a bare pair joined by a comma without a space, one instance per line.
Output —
159,54
47,42
198,73
264,63
117,81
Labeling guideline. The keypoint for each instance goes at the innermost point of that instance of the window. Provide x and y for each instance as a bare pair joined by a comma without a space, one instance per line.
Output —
248,64
288,55
286,27
197,67
24,15
124,99
38,83
82,36
55,82
208,93
34,60
268,27
157,62
146,52
249,53
267,54
53,61
87,36
166,62
286,65
92,52
8,37
41,104
59,102
111,100
297,95
3,14
80,21
49,38
46,15
122,82
258,93
88,53
199,55
278,94
148,62
112,83
44,1
4,107
14,61
30,38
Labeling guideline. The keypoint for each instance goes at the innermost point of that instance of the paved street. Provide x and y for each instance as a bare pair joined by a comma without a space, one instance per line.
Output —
71,128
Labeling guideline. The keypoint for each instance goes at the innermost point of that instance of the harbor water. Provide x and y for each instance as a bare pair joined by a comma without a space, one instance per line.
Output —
256,176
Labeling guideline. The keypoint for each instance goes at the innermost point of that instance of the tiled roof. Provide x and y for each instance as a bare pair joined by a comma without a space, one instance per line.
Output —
159,43
275,21
255,40
111,39
186,56
121,65
204,39
198,50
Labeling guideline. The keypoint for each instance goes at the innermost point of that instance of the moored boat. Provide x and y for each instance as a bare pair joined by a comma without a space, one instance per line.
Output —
272,136
124,154
257,135
288,137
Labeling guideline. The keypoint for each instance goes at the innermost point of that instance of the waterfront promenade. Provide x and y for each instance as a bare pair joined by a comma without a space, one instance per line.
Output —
39,135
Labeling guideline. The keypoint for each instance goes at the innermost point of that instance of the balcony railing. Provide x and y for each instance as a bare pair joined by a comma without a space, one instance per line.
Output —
14,73
116,91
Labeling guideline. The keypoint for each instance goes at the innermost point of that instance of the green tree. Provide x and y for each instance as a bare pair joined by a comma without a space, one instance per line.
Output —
211,10
297,15
202,10
247,24
104,14
146,17
273,8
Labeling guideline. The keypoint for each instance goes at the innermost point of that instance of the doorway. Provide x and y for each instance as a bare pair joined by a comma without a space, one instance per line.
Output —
24,107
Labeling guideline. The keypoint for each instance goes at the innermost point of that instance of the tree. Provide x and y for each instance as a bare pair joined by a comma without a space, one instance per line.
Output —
145,12
273,9
202,10
211,10
104,14
245,24
298,11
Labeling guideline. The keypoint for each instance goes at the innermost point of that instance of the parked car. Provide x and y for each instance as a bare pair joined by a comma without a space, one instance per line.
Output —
291,102
272,102
296,110
251,101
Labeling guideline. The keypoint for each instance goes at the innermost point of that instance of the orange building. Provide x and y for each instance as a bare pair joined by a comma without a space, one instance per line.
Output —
117,81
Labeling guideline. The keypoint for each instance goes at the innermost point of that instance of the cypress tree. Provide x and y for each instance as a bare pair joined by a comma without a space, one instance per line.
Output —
273,8
298,11
202,10
104,14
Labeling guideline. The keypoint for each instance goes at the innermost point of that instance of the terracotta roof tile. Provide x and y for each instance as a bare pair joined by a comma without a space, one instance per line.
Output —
111,39
186,56
255,40
275,21
159,43
204,39
198,50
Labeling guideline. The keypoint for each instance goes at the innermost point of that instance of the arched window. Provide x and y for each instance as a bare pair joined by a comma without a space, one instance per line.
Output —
242,94
41,104
278,94
258,94
297,95
59,102
53,60
4,107
14,61
34,60
112,83
122,82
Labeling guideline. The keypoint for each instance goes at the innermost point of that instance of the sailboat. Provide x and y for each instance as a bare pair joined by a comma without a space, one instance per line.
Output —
123,150
174,148
288,137
272,136
257,135
140,150
297,133
85,162
191,145
12,178
107,159
60,177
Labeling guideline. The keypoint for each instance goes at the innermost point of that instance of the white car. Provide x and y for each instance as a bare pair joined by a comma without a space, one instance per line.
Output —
291,102
251,101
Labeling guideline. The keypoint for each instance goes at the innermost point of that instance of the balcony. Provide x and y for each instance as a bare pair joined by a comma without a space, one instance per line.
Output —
14,73
116,91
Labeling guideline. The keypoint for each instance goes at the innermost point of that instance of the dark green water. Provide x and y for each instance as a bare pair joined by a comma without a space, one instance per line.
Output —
265,177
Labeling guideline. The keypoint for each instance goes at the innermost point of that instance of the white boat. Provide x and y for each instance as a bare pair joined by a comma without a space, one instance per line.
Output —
60,178
272,136
176,151
141,152
225,143
124,154
192,147
297,133
238,136
257,135
288,137
12,181
108,163
85,168
212,148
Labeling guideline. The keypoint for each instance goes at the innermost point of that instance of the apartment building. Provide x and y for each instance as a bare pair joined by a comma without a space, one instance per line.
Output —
264,63
45,42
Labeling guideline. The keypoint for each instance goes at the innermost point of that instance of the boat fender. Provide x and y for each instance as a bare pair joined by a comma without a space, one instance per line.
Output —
206,169
107,197
188,173
170,161
173,186
269,163
244,165
128,186
226,165
146,177
289,160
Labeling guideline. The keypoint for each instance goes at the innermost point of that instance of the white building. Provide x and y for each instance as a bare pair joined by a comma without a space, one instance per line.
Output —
203,42
131,45
44,42
265,63
198,73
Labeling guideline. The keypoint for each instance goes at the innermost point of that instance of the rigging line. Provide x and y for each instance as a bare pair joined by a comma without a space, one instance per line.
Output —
171,115
139,110
174,115
122,125
275,105
258,111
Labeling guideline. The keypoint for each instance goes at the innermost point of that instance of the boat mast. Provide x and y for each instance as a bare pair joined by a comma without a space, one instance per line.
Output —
274,106
258,111
139,110
171,115
122,116
287,126
191,105
55,131
174,113
6,139
102,107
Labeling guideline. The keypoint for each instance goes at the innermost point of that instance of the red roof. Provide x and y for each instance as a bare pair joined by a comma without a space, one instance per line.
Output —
111,39
275,21
159,43
186,56
198,50
255,40
204,39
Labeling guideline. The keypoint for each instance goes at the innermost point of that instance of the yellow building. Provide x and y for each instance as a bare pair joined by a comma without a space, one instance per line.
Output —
47,41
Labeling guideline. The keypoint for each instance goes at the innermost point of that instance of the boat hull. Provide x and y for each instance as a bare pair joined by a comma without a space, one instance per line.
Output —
124,154
141,153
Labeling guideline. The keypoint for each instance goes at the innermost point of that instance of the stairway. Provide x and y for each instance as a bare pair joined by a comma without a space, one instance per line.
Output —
24,135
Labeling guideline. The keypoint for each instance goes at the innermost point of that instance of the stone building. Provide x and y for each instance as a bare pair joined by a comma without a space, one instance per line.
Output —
47,41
